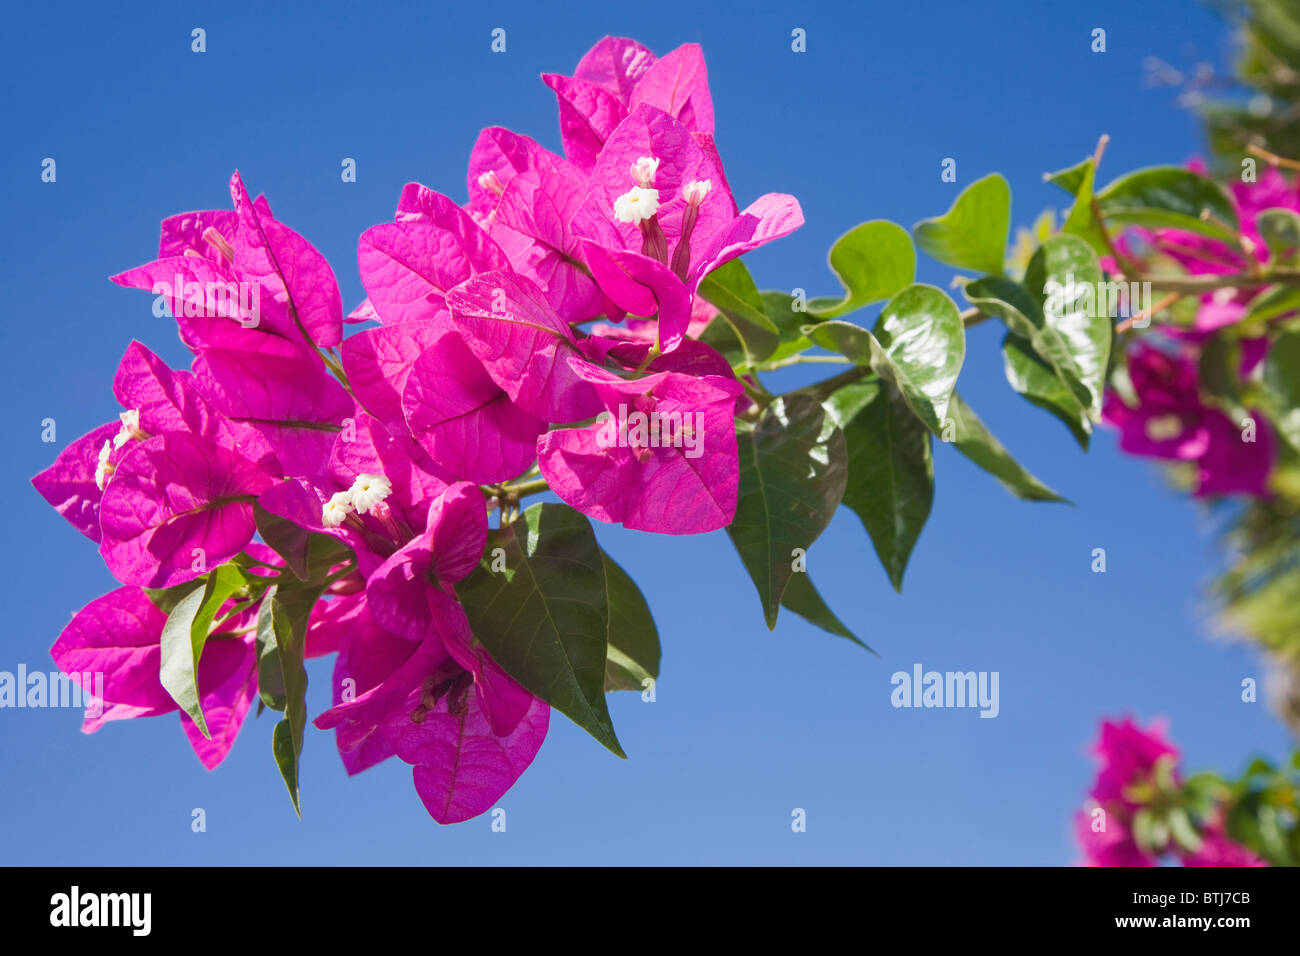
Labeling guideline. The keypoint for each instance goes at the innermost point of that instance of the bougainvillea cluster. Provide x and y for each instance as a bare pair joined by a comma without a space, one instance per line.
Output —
391,440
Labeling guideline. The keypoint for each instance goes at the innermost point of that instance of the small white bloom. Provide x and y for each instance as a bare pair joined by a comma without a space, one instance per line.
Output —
638,204
644,169
130,427
492,182
1164,427
695,191
103,469
368,490
336,509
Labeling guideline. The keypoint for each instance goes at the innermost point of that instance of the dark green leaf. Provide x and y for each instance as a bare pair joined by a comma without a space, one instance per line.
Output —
1281,385
632,654
873,261
545,618
1038,383
891,475
732,290
976,442
801,597
792,473
973,233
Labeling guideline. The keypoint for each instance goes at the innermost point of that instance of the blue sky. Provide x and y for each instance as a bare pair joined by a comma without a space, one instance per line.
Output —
747,724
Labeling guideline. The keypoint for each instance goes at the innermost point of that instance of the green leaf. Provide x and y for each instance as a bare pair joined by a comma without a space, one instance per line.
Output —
1033,378
745,326
1280,230
1072,178
281,641
185,634
801,597
1169,197
632,652
891,475
789,322
918,346
545,618
306,553
973,233
1281,386
1273,302
792,472
1082,220
873,261
976,442
1059,312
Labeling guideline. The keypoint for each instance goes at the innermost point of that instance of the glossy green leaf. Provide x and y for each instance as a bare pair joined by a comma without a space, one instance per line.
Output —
972,438
545,618
890,472
1169,197
186,633
1033,378
918,345
632,652
744,326
973,233
873,261
792,473
1059,310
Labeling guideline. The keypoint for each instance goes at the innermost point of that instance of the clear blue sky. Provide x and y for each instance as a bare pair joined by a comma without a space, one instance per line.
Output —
748,724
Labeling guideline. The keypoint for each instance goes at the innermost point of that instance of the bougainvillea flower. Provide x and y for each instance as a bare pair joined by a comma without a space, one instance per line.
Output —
177,506
524,346
70,484
407,266
531,223
285,394
1172,422
237,278
663,458
1113,846
1202,255
119,637
295,274
618,74
1127,753
659,217
378,361
424,711
463,419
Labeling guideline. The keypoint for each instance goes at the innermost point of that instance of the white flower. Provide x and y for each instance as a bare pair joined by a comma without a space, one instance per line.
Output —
336,509
637,205
695,191
492,182
368,490
1164,427
644,169
103,469
130,427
